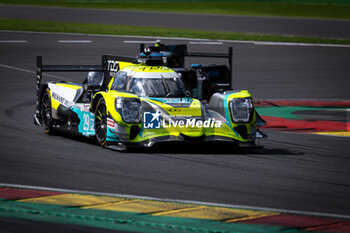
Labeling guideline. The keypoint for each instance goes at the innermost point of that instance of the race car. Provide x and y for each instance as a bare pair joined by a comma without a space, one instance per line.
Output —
126,102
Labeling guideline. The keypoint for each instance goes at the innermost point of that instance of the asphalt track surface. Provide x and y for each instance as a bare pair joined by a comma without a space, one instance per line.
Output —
244,24
294,171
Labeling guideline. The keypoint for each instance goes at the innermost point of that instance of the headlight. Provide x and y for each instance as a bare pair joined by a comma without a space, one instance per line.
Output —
129,109
241,110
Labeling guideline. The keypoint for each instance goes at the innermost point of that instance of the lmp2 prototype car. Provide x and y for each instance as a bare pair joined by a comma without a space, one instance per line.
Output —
138,102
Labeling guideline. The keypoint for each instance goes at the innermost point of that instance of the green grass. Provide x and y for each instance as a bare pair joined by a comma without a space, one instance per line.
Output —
86,28
335,9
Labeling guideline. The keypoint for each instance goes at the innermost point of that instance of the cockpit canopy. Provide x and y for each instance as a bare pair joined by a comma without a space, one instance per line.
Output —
150,84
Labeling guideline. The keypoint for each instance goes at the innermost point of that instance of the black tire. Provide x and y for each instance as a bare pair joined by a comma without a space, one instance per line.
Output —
46,111
101,122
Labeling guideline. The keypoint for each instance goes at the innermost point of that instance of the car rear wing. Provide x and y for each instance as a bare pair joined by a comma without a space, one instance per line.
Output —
215,55
180,52
109,65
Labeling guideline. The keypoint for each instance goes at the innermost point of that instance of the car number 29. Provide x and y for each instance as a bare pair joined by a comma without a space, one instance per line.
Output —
88,122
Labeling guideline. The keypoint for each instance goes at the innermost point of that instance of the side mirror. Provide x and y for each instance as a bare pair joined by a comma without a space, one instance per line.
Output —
95,79
93,87
94,82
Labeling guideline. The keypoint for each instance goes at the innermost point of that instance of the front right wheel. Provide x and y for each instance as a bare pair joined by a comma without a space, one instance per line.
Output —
101,122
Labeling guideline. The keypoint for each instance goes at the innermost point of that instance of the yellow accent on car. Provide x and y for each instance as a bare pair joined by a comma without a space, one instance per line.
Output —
71,86
54,103
122,64
148,69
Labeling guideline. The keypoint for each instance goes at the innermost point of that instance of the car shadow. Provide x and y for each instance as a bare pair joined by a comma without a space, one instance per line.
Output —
211,148
200,148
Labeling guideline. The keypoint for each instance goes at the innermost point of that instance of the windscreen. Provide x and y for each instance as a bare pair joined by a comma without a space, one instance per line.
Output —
158,87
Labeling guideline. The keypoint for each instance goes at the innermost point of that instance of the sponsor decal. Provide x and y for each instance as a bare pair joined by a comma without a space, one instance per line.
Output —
175,102
152,120
112,66
110,123
61,99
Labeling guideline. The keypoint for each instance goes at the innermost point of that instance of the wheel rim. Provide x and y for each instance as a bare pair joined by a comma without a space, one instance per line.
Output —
101,123
46,112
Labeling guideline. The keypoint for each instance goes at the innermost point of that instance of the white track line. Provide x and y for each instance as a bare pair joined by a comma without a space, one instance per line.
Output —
177,201
299,44
206,42
75,41
13,41
139,42
191,42
189,39
17,68
29,71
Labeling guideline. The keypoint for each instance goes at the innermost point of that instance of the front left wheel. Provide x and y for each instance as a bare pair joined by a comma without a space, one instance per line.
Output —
46,111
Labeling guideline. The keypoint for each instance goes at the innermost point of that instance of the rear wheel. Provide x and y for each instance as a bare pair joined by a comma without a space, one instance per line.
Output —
101,122
46,111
